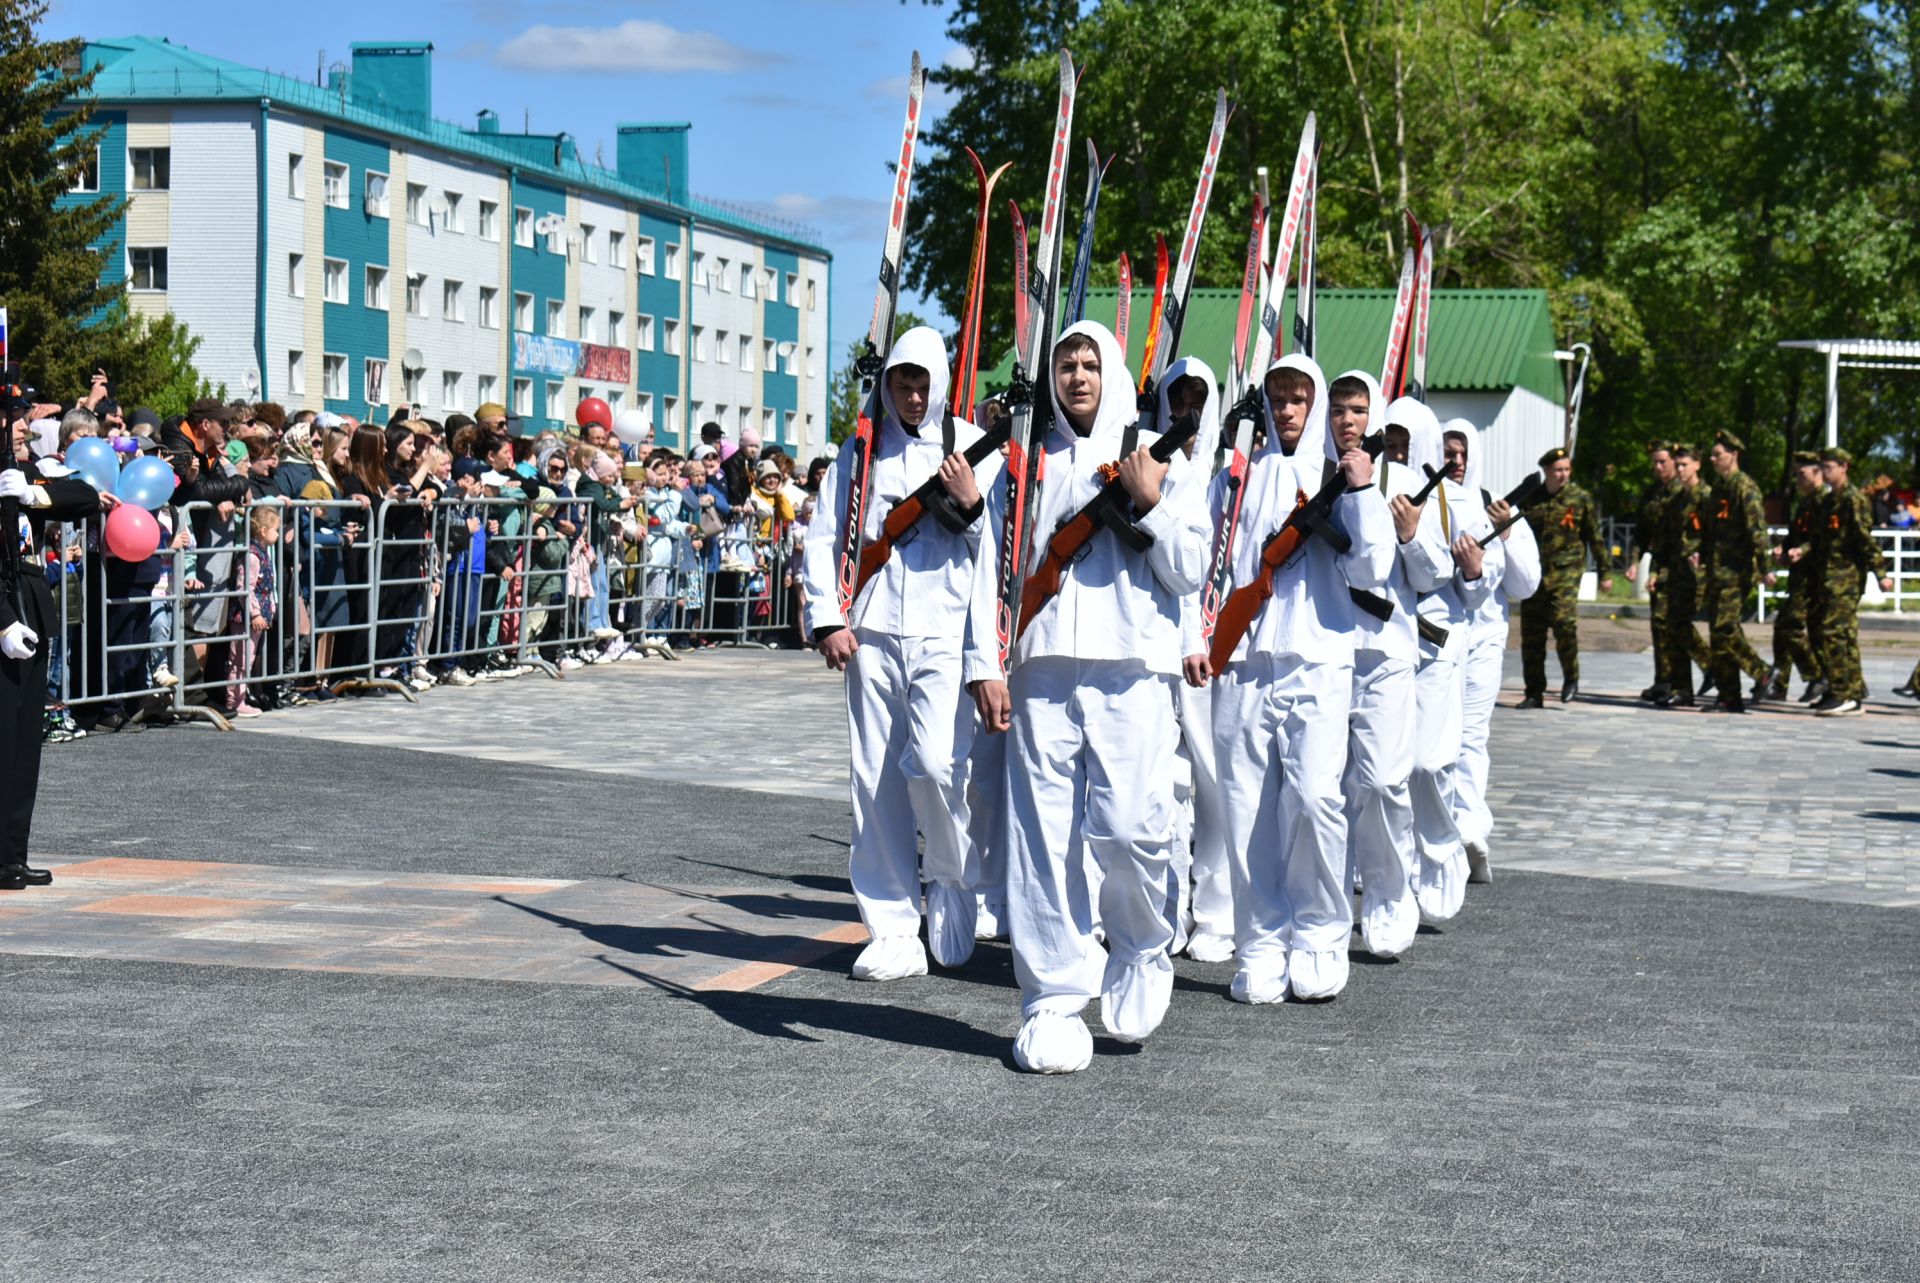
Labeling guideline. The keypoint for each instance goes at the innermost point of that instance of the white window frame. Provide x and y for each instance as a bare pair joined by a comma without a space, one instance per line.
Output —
645,256
133,169
723,278
523,397
556,318
585,320
670,336
416,294
786,423
450,389
700,343
616,400
616,248
586,242
333,376
161,262
748,281
335,178
488,220
770,357
334,270
451,307
793,284
380,206
556,402
616,329
296,373
643,333
746,353
483,386
374,380
296,275
723,347
296,175
80,183
417,204
489,307
670,265
766,426
670,413
523,227
375,297
454,222
411,384
699,269
523,312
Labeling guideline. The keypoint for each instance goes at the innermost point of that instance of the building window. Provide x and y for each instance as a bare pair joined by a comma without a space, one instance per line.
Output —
770,358
721,413
786,427
747,287
296,374
746,353
670,337
555,410
87,177
586,242
452,221
376,381
646,256
722,279
333,376
723,347
449,390
670,413
376,203
523,312
376,290
813,371
296,275
147,269
643,333
700,413
812,302
699,342
296,176
450,301
746,418
672,263
333,280
333,183
489,221
416,294
616,329
523,227
412,379
556,318
644,403
489,308
793,283
417,204
616,400
483,386
152,168
523,397
586,325
616,249
701,279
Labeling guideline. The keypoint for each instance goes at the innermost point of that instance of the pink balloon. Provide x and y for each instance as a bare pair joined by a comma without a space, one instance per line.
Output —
132,533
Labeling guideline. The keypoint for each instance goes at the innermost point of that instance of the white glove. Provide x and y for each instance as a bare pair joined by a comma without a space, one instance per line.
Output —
13,484
17,641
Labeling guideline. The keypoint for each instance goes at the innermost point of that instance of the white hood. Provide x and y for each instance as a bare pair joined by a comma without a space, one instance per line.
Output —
1117,401
1466,429
1425,449
1207,440
1376,402
920,346
1315,447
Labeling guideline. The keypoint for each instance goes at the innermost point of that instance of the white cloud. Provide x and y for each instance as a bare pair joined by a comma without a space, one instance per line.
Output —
888,89
958,57
634,45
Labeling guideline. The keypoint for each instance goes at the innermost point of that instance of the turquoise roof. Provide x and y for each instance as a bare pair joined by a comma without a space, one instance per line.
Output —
143,69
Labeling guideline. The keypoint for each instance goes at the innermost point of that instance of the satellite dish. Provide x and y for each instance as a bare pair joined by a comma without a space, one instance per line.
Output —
440,207
412,360
370,206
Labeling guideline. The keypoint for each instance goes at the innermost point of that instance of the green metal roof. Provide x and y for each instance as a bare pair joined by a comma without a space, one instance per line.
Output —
141,69
1478,340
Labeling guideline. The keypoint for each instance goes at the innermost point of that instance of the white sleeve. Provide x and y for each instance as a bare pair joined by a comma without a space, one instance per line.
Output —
1363,516
1428,560
1522,579
980,657
820,558
1179,526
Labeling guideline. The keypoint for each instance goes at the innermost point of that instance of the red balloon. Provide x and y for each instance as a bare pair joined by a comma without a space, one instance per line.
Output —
132,533
594,410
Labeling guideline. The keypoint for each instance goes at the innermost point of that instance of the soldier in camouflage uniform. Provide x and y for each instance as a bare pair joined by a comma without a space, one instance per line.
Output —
1846,554
1793,640
1681,535
1567,526
1736,550
1647,533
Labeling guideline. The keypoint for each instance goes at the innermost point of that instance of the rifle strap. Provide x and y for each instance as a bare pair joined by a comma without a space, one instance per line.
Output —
1335,537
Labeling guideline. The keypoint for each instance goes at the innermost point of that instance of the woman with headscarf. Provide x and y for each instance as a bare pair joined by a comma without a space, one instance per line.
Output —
1090,707
1280,709
1485,660
901,646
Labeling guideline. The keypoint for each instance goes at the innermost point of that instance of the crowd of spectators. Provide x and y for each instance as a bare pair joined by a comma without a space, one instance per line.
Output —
323,557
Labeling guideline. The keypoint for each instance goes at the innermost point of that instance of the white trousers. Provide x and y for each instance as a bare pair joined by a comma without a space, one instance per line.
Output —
1485,659
1379,801
1209,906
1090,759
1440,877
1280,735
987,803
911,732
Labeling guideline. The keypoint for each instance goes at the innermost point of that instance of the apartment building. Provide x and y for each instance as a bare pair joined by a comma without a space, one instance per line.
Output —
337,246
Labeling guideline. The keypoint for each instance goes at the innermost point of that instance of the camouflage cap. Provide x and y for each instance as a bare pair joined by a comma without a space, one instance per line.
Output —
1727,441
1553,456
1806,458
1834,454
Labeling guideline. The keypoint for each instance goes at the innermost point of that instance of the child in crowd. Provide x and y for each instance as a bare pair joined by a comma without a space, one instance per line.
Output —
255,607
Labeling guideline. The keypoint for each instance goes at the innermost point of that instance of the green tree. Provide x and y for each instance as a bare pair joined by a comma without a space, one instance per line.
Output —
843,405
65,320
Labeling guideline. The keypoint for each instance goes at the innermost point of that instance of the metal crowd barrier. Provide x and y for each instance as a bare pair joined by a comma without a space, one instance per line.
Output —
360,597
1901,548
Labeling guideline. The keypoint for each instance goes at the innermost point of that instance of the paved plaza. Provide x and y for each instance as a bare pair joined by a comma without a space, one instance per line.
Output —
547,979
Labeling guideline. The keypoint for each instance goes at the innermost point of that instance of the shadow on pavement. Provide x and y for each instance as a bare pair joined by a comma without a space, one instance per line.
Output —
773,1016
715,941
1899,817
1896,772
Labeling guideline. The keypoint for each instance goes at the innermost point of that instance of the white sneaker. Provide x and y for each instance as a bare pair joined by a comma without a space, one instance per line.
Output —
951,919
1136,1003
1258,987
572,662
990,919
1479,867
458,677
1317,976
1052,1043
422,683
615,649
891,958
657,641
163,677
605,634
1205,946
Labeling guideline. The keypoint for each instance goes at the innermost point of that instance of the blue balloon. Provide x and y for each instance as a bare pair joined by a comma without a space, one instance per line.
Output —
93,458
147,483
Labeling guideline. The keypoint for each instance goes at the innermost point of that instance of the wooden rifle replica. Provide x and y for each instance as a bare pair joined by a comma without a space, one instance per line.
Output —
930,497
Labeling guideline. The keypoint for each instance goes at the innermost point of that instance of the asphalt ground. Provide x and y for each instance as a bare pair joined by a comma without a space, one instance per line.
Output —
1583,1077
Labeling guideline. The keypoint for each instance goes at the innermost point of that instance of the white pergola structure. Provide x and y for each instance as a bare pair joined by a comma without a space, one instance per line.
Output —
1856,354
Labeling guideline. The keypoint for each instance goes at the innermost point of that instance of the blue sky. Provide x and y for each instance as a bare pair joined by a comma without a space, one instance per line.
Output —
796,106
